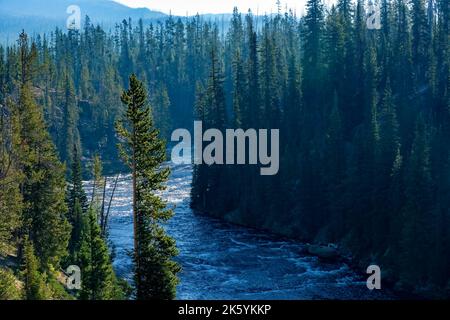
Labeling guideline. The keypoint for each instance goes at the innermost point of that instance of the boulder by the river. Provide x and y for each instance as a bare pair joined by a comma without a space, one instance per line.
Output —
326,252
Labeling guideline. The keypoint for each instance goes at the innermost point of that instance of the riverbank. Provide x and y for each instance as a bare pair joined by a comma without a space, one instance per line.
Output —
358,265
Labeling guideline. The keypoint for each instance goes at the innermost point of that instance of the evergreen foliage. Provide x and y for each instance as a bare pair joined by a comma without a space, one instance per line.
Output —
143,151
364,119
98,279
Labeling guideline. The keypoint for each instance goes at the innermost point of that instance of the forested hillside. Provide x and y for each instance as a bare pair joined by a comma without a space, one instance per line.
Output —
80,73
45,222
364,119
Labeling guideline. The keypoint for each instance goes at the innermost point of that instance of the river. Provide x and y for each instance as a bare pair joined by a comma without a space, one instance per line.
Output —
225,261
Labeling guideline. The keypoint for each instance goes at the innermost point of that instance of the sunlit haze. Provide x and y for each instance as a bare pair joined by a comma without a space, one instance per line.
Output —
191,7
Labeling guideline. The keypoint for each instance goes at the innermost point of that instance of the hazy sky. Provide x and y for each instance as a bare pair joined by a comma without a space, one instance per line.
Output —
181,7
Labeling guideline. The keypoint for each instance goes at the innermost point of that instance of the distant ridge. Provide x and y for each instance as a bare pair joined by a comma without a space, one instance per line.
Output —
42,16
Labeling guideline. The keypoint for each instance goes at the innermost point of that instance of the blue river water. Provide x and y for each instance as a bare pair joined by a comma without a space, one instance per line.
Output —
225,261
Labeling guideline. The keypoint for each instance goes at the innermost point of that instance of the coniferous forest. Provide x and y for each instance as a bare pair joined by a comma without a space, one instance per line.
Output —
364,119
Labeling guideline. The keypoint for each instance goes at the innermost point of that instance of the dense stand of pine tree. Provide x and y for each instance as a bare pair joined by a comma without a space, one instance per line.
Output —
47,223
364,118
43,227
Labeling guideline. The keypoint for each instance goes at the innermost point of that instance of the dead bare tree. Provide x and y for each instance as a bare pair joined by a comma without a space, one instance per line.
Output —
105,225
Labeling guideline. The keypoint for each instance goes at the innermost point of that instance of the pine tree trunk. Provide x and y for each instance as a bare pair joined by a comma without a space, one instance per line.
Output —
135,219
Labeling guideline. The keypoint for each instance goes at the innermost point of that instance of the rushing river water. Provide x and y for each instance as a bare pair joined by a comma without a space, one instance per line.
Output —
224,261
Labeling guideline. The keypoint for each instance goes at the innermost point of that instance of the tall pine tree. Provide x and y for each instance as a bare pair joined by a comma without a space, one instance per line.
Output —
143,151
